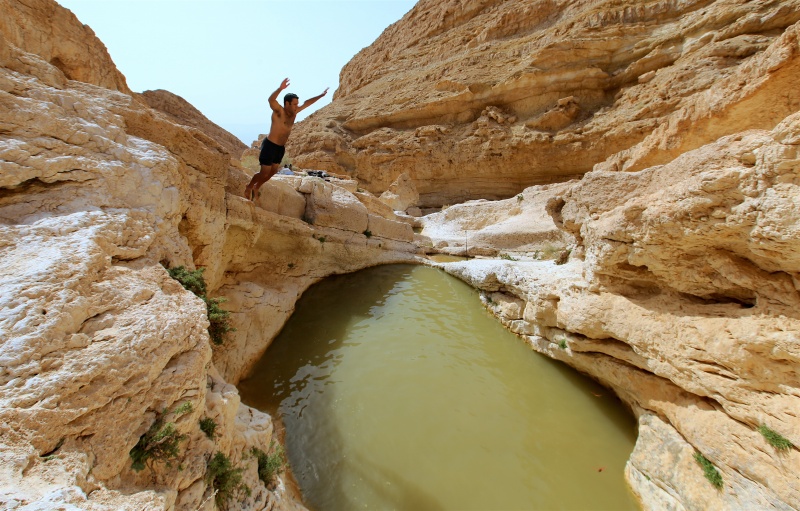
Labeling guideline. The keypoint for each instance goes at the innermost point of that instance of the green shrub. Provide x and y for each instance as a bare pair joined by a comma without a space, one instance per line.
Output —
775,439
269,465
562,344
218,318
368,233
709,470
520,198
208,426
224,478
507,257
161,442
190,280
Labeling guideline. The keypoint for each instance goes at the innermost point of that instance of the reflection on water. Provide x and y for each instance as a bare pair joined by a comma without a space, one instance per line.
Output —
399,391
446,258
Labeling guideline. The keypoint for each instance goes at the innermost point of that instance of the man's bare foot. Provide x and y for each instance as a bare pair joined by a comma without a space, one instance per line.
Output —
248,193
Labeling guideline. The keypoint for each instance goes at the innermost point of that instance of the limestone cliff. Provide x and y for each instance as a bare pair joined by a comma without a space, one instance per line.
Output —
182,112
99,193
482,98
681,294
667,268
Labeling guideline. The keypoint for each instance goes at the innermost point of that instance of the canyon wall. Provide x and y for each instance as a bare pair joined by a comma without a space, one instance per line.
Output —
680,293
649,156
99,194
482,98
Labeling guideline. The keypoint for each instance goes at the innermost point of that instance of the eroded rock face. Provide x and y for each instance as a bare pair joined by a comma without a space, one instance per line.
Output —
681,294
483,98
675,282
99,193
182,112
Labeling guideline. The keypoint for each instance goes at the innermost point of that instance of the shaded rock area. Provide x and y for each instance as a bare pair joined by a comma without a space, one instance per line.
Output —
645,163
480,99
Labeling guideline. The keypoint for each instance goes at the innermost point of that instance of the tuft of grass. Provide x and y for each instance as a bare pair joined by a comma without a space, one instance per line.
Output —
291,265
507,257
161,442
224,478
368,233
321,239
774,438
208,426
218,318
562,344
709,470
183,409
269,465
520,198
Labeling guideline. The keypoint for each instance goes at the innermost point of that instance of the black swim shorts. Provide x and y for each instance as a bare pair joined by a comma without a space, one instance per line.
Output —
270,152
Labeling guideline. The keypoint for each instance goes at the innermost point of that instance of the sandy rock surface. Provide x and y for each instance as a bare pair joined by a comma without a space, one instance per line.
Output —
647,161
99,193
483,98
681,295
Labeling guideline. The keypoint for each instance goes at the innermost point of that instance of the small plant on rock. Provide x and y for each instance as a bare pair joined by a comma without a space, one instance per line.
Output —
218,318
520,198
269,465
224,478
368,233
208,426
709,470
774,438
562,344
507,257
161,442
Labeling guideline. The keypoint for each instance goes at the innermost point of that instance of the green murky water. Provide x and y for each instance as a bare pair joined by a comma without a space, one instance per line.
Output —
398,390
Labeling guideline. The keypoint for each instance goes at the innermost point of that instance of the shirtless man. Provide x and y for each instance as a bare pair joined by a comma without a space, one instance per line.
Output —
272,148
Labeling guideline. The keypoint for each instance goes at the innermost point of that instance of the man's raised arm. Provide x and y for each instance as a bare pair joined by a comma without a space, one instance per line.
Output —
310,101
273,98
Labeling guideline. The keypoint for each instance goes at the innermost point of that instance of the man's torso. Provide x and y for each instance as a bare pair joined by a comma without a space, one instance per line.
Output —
281,127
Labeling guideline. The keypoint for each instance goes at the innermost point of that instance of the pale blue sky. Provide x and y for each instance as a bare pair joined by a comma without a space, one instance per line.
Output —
226,56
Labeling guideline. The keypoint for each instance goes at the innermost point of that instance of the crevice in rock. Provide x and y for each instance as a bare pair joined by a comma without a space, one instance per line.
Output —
30,186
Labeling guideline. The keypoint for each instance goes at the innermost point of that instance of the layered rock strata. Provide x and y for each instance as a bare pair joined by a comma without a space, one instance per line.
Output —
99,193
678,288
482,98
681,294
182,112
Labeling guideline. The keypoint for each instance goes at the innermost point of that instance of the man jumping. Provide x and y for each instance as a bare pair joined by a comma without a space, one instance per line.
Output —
272,148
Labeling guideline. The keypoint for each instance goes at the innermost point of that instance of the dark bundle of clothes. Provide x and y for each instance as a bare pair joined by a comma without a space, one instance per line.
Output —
318,173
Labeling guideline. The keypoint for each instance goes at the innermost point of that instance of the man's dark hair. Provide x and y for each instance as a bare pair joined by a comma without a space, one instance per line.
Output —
289,97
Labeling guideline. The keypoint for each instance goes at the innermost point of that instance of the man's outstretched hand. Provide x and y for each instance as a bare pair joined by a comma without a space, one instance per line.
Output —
284,83
325,91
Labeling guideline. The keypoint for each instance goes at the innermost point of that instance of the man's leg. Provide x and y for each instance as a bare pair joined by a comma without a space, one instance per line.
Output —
267,171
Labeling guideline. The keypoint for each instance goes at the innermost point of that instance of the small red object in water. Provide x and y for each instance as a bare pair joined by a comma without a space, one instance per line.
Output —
601,469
